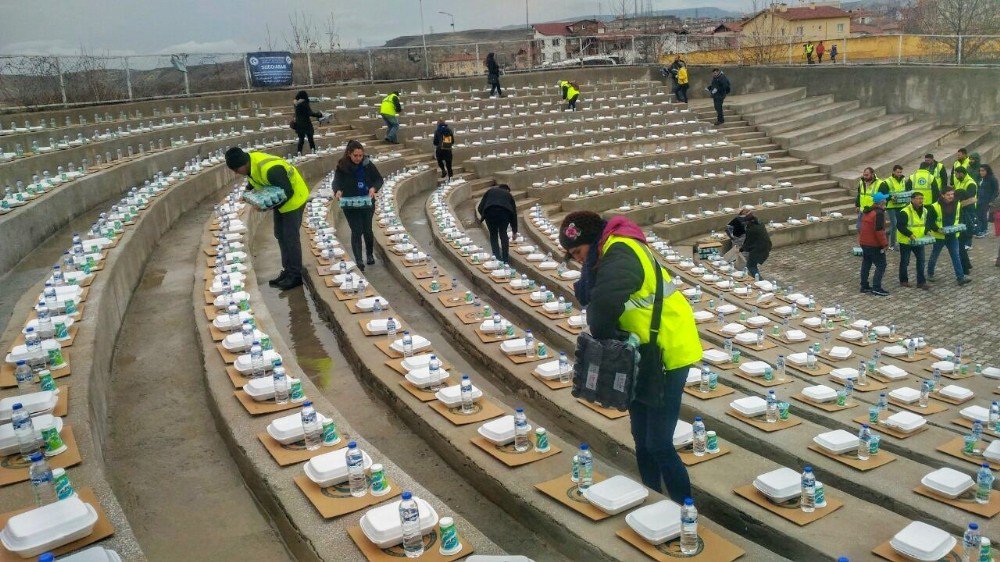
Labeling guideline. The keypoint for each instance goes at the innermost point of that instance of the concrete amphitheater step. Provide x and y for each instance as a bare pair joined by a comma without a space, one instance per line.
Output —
910,138
831,144
827,127
810,117
787,110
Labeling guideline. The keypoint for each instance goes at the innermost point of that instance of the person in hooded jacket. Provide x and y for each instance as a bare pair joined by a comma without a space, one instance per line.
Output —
444,139
493,75
618,287
756,242
356,180
498,209
303,121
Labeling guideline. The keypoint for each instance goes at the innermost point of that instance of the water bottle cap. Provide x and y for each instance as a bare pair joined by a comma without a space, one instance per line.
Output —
465,377
688,501
808,469
697,418
986,465
407,495
21,362
307,404
352,445
30,330
973,526
864,425
17,406
36,456
843,559
406,332
47,557
584,447
519,410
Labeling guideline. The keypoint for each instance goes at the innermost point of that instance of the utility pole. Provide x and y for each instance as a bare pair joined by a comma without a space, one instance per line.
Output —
531,37
423,40
452,20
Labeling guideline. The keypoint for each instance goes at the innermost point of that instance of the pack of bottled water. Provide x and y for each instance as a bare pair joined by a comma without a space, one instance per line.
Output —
266,197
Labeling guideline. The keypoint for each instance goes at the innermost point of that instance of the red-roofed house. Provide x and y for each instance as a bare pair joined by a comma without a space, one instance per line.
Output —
805,23
551,39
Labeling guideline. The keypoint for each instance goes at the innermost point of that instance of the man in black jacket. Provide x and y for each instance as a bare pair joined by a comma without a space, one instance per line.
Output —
719,89
498,209
444,139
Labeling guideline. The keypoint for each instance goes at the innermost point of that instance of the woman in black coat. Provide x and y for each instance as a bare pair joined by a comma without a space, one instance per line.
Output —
498,209
303,120
356,180
493,75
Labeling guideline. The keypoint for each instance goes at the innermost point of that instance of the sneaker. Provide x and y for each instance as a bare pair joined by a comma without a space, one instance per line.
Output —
277,280
964,281
370,260
880,292
290,283
865,290
923,286
905,284
443,174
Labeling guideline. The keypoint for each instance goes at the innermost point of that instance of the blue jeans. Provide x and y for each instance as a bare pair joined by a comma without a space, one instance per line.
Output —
653,431
904,263
890,232
956,262
392,124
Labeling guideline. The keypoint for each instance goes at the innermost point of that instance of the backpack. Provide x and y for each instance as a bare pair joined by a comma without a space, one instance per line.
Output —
447,139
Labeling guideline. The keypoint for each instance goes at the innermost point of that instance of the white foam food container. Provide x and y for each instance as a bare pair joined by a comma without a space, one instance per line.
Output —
715,356
656,523
683,434
48,527
552,307
783,310
918,342
948,482
36,403
840,352
331,468
576,321
837,441
242,362
905,394
993,451
33,323
222,322
550,370
882,331
693,376
262,388
942,353
451,396
956,392
749,405
799,358
754,368
616,494
421,378
420,361
92,554
861,324
844,373
905,421
419,343
944,366
766,297
851,335
795,335
892,372
570,274
820,393
222,301
368,303
288,429
780,484
514,346
499,431
703,315
8,439
747,337
382,526
377,325
727,308
923,542
991,372
235,342
971,413
20,352
758,321
894,350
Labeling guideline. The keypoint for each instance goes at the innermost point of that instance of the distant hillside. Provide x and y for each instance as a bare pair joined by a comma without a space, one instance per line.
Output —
466,36
702,12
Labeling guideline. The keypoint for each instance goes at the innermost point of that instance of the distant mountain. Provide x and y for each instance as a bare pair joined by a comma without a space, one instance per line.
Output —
702,12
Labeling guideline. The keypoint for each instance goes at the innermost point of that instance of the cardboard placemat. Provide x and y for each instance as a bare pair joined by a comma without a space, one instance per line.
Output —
352,307
353,296
507,455
420,273
689,459
419,393
443,282
851,458
295,453
383,344
759,380
8,380
526,299
882,378
825,406
781,337
234,375
522,359
13,468
557,315
334,501
255,408
397,365
858,343
452,300
227,356
431,548
19,340
932,407
871,386
564,491
493,337
553,384
61,409
968,425
571,329
217,334
711,547
760,423
720,390
955,447
790,511
768,344
211,312
886,551
610,413
966,501
102,529
470,315
881,427
482,410
917,357
954,375
209,297
717,331
938,396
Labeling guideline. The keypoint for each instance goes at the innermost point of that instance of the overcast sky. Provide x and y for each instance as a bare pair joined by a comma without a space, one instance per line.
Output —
127,27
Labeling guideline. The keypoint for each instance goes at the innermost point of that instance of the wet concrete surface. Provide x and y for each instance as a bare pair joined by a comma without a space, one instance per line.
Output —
180,490
317,353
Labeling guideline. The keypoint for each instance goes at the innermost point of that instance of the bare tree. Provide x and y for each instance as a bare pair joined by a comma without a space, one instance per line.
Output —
758,43
90,77
29,80
967,22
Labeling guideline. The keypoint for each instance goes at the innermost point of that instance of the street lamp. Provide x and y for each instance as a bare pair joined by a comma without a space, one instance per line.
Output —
452,20
423,40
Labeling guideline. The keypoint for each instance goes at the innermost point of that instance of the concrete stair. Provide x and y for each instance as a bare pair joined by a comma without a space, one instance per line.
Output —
814,115
826,148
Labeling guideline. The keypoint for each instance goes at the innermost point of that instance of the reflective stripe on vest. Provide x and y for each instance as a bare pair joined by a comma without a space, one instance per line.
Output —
261,163
678,338
388,106
895,186
917,224
939,219
866,194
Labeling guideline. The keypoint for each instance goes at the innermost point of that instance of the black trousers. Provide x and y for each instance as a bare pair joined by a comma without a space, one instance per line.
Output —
497,222
444,160
680,91
495,86
286,231
872,256
718,109
303,134
653,431
360,221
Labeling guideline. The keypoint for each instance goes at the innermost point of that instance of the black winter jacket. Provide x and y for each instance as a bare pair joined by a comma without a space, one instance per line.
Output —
343,177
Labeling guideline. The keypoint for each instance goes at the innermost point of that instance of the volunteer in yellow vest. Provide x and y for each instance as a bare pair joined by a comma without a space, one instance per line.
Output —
868,185
570,93
925,182
618,287
390,110
939,172
945,212
809,48
264,170
910,225
894,186
966,192
962,160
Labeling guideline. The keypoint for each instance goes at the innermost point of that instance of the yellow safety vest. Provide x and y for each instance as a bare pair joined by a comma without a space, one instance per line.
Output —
867,195
939,219
923,182
571,91
682,75
261,163
810,49
895,186
388,106
968,184
678,338
965,163
916,223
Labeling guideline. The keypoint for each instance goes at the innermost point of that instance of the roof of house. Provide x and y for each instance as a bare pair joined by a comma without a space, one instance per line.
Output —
727,26
559,28
857,28
811,13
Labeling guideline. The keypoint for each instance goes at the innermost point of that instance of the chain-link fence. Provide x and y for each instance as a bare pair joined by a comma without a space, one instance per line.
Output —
29,80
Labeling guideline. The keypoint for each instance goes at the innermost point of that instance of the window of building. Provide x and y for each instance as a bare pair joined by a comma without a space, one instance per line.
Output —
556,57
799,31
840,28
555,42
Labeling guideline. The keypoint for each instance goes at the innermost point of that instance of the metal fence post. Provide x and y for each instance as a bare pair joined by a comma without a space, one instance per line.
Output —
246,71
899,54
187,83
371,67
310,65
845,50
62,82
959,49
128,77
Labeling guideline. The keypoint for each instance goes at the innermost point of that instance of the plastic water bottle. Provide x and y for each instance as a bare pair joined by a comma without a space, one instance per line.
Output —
466,391
994,416
779,367
377,308
407,344
45,327
772,407
971,542
312,429
586,460
529,344
565,374
936,378
409,519
700,437
24,377
689,527
49,294
233,313
911,348
356,470
697,293
521,442
864,436
24,430
925,392
280,383
40,475
390,329
705,384
984,483
808,499
977,430
434,368
257,367
31,340
810,359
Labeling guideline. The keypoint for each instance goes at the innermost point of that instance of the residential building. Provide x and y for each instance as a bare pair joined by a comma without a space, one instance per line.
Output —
804,23
558,41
